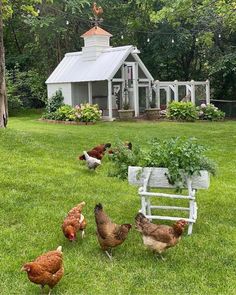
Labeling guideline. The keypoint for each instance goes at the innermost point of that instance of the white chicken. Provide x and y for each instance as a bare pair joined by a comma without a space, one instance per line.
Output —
92,163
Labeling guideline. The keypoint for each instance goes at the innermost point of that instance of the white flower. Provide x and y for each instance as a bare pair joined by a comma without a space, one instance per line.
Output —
201,113
203,105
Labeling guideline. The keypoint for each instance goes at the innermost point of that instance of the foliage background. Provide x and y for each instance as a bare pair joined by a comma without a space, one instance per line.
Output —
204,35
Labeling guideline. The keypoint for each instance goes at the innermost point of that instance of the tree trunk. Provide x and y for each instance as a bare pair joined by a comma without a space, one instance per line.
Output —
3,96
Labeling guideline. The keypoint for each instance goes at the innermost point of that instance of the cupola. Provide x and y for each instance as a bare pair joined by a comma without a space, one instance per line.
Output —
95,41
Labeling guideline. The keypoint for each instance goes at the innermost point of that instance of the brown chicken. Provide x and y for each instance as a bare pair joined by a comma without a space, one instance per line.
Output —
97,152
159,237
97,11
109,234
47,269
74,222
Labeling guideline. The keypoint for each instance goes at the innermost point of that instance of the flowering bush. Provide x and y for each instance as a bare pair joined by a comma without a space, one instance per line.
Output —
88,112
210,112
182,111
82,113
65,113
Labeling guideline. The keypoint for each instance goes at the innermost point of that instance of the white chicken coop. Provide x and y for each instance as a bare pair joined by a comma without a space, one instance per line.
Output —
103,75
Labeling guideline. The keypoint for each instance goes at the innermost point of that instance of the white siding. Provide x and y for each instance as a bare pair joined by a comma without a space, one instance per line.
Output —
64,87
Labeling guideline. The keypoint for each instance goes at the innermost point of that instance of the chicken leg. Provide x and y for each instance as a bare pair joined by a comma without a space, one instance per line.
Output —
109,254
82,234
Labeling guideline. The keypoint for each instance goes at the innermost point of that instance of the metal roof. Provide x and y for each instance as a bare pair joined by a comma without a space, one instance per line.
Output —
96,31
73,68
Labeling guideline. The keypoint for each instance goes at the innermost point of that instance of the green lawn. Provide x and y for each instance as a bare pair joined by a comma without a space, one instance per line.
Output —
41,179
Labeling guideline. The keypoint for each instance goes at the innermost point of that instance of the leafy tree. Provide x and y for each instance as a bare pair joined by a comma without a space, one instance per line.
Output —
6,11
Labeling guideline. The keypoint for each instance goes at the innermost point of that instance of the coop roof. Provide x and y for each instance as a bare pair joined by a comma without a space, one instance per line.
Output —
73,68
96,31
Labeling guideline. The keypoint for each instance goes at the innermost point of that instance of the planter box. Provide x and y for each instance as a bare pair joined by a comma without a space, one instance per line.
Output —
66,122
152,114
159,179
126,114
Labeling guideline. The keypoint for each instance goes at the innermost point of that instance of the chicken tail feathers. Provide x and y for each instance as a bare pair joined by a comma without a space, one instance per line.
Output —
98,208
59,249
107,145
140,220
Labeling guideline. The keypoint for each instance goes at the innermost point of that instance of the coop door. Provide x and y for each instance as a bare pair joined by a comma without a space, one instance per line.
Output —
128,84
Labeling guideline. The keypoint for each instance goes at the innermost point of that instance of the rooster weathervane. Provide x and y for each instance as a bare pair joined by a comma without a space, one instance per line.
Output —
97,12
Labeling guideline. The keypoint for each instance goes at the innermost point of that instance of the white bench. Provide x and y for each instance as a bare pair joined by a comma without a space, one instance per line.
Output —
148,178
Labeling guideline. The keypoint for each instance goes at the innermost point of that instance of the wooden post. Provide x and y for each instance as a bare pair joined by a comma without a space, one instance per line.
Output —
110,99
147,96
176,91
122,86
187,89
207,92
135,88
90,93
168,95
158,99
193,91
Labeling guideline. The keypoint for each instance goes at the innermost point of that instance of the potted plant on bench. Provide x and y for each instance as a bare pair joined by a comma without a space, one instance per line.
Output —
177,164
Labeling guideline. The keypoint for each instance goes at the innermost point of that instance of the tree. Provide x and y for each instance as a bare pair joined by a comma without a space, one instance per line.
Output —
6,10
3,96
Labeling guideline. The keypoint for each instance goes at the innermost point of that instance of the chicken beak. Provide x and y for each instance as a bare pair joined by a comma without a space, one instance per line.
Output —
23,269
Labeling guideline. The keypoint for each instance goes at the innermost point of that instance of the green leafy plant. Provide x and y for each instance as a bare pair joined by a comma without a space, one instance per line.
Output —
87,112
55,102
66,113
182,111
25,89
126,106
181,157
210,112
123,158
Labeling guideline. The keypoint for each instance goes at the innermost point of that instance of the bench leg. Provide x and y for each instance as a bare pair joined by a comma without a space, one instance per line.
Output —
149,207
191,216
143,206
190,228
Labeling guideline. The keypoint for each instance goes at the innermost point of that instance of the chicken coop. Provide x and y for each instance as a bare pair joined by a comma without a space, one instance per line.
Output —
104,75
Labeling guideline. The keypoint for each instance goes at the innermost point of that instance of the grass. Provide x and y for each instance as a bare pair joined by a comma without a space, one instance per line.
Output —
41,179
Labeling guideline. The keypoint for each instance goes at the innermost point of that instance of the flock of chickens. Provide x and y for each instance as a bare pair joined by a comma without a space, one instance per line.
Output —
48,268
94,156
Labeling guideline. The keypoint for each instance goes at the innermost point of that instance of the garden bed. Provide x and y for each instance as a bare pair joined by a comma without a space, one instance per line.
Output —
66,122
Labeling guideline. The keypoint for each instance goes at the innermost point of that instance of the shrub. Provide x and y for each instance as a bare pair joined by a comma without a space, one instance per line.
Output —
183,111
123,158
65,113
55,102
181,157
14,103
88,112
25,87
210,112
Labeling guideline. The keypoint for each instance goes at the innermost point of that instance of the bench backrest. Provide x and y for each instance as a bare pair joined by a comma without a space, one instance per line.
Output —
158,178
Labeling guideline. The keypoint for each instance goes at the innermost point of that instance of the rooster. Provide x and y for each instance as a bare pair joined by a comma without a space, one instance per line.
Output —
92,163
74,222
159,237
47,269
109,234
97,11
97,152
